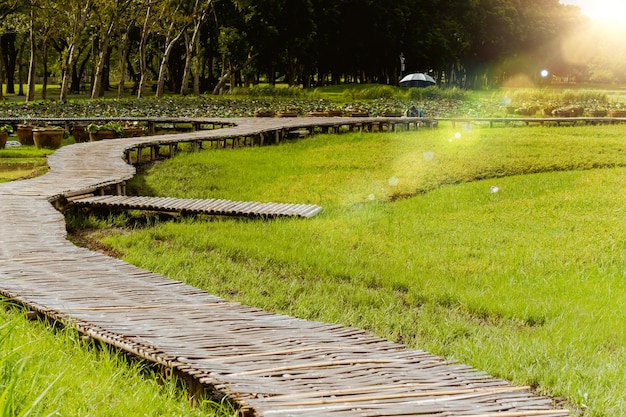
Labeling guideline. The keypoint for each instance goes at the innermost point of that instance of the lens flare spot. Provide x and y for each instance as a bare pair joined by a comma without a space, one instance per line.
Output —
429,156
371,197
394,181
457,135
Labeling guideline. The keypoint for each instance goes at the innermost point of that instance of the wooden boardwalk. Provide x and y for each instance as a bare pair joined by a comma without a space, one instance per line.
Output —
198,206
271,365
543,121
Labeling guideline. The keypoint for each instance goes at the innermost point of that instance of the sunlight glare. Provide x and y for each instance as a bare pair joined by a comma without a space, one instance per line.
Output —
611,12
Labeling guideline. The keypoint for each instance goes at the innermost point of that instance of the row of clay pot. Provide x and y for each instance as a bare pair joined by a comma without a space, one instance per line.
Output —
27,134
42,138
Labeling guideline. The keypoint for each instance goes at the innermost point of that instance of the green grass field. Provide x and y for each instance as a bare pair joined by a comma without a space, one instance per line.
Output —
500,248
44,373
22,162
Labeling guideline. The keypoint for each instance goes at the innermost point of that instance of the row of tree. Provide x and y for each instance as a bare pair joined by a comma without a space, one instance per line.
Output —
196,46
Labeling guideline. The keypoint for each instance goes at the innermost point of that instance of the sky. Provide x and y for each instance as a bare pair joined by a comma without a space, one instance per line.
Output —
614,10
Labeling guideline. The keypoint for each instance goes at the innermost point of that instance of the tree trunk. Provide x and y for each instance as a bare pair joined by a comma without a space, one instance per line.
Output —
169,45
143,65
103,53
7,43
123,52
67,74
105,84
33,58
196,70
191,45
20,68
189,48
221,83
229,75
44,57
1,74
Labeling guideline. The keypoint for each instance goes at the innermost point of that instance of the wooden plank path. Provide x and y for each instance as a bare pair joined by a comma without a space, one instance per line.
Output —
271,365
199,206
552,120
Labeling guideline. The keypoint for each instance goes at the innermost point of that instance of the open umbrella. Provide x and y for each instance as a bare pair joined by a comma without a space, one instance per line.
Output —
417,80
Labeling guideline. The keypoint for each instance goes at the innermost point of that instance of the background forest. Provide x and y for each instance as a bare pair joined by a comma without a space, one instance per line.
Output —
200,46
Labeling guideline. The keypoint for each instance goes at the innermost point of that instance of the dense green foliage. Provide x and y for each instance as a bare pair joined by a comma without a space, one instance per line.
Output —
44,374
198,46
414,243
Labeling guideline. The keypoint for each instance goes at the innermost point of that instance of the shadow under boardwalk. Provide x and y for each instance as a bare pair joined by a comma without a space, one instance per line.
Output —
199,206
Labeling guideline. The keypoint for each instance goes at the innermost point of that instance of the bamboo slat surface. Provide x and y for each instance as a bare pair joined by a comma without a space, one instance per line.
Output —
198,206
271,365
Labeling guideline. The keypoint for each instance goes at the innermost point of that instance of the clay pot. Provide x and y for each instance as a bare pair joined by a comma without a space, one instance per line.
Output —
287,114
25,134
48,138
3,138
79,132
133,131
102,134
263,114
617,113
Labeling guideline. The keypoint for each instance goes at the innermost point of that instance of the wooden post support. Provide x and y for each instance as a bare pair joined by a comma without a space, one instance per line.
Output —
120,188
139,152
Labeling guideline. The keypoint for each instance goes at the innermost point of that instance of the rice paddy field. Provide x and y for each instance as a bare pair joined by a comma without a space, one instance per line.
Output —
502,248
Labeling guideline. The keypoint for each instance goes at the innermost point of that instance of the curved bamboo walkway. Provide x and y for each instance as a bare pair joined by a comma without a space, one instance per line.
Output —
271,365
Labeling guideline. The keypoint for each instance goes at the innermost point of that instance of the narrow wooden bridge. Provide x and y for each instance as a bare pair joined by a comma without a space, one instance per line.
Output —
270,365
212,206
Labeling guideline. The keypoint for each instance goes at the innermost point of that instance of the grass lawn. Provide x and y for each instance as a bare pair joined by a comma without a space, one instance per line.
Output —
501,248
22,162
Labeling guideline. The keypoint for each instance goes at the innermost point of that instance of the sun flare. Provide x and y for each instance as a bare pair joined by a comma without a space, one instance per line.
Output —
604,11
616,12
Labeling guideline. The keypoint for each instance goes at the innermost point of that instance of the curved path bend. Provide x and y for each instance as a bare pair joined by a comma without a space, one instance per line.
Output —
270,365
